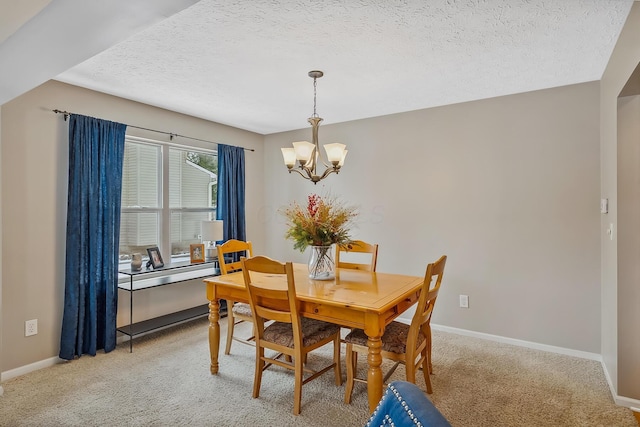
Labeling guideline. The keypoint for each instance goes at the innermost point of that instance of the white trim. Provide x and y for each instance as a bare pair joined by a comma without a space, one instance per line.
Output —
520,343
612,390
627,402
22,370
619,400
632,404
183,146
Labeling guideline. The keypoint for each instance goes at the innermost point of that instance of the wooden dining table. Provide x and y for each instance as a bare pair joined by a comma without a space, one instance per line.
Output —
354,299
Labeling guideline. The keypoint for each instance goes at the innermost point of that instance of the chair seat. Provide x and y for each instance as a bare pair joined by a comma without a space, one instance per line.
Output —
313,331
242,309
394,342
394,339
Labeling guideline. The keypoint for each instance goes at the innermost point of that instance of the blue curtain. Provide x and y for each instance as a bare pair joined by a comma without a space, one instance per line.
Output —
96,152
231,191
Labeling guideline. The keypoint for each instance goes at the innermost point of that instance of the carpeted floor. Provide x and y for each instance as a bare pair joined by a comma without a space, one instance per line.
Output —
166,382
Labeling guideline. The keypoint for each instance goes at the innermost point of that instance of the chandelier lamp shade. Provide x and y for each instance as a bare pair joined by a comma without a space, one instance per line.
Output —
308,155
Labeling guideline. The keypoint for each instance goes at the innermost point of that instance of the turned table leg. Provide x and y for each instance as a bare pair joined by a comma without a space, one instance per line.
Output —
374,376
214,334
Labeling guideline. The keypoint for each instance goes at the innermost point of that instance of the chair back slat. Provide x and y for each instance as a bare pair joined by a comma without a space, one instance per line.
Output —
233,246
272,299
360,247
428,296
410,345
272,296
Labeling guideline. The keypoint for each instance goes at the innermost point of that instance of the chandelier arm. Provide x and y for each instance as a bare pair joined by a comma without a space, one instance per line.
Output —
307,168
301,174
326,165
310,171
315,121
314,159
329,171
321,158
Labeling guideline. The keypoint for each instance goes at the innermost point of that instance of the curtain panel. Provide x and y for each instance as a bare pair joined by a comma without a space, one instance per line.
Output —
231,191
96,153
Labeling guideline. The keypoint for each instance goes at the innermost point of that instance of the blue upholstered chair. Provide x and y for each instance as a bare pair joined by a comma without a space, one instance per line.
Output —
404,404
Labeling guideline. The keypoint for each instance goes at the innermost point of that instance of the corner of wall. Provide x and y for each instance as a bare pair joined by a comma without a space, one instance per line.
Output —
1,389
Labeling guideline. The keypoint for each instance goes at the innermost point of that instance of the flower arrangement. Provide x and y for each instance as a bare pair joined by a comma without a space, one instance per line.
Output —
323,222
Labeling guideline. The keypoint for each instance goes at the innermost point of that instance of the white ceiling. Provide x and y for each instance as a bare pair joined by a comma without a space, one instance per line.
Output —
244,63
40,39
15,14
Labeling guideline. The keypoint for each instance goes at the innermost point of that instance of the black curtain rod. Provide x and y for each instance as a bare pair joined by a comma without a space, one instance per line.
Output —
171,135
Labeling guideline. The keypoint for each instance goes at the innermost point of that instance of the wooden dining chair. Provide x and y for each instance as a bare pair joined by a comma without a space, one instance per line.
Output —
237,312
402,343
357,246
273,298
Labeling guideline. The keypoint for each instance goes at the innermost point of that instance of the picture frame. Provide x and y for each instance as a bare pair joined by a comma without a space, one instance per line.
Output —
155,259
196,252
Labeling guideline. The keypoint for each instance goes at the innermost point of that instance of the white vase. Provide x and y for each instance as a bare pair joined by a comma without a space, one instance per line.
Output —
136,262
322,266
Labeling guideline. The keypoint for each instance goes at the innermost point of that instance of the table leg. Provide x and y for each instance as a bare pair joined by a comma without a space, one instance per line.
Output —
131,314
214,334
374,376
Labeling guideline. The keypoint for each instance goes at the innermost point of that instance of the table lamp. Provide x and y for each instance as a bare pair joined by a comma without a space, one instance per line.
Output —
212,231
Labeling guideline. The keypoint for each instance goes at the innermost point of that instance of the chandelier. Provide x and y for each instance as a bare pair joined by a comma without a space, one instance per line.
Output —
307,154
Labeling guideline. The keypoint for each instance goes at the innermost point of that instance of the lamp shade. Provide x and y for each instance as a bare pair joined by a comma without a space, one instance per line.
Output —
289,155
304,151
335,152
344,154
212,231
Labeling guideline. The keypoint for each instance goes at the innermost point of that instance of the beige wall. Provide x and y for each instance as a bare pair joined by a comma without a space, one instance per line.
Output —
34,193
620,294
507,187
628,245
1,389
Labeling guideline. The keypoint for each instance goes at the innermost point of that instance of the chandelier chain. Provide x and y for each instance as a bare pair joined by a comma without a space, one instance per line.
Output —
307,155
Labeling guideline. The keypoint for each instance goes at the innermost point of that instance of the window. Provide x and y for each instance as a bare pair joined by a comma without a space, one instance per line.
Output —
166,191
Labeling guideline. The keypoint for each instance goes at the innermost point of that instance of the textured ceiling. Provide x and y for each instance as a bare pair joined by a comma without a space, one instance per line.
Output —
244,63
44,38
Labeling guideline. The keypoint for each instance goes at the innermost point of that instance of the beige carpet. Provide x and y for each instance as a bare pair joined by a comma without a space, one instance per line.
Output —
166,382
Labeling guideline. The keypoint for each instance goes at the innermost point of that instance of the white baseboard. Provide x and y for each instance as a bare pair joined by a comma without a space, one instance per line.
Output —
619,400
22,370
520,343
632,404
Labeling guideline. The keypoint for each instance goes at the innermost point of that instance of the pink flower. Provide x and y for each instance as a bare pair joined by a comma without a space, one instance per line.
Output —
314,204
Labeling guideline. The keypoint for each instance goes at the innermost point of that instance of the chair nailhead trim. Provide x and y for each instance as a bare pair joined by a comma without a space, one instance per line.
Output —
387,420
375,411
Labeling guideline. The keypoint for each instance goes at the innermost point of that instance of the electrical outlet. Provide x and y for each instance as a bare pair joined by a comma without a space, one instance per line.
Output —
464,301
30,327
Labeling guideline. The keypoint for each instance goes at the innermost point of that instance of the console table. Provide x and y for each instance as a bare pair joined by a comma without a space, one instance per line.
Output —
172,273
